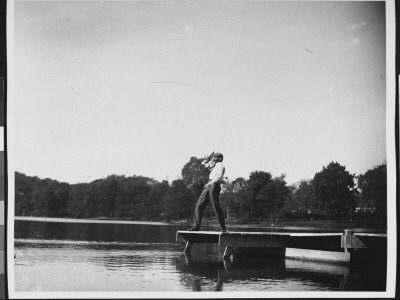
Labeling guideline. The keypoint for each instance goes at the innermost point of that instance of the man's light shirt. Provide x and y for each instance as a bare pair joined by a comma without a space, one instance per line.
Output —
217,173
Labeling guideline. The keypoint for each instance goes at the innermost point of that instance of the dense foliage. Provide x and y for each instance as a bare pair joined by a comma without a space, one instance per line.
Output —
373,189
332,194
334,191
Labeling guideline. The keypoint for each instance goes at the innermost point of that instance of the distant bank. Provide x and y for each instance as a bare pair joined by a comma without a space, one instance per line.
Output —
260,224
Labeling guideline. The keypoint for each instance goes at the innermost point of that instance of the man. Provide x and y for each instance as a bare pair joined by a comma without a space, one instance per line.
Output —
211,192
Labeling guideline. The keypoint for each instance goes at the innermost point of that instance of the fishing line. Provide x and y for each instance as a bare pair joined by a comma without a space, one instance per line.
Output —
215,103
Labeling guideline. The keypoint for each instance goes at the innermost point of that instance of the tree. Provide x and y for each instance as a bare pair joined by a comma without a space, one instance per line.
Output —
302,200
152,210
272,197
24,189
107,193
373,186
257,180
139,191
75,204
91,200
289,208
234,198
241,198
58,207
178,201
334,190
227,198
195,176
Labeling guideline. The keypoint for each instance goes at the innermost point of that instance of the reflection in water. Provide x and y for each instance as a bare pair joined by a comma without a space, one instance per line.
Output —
200,271
262,273
141,257
96,231
203,271
75,266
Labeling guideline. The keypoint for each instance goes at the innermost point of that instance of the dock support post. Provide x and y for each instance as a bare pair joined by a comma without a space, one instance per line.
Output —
229,251
347,232
188,247
351,241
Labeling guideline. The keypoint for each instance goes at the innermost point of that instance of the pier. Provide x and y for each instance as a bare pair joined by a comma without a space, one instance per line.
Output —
329,247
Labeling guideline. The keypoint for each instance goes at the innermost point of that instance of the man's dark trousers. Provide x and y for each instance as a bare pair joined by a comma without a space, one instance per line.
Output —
210,194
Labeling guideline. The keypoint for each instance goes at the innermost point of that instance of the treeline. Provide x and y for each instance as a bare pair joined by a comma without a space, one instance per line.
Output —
333,194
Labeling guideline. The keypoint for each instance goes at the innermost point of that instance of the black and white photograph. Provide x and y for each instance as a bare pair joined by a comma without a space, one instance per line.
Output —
201,149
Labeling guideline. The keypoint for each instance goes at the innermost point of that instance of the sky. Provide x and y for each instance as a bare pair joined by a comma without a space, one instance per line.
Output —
139,87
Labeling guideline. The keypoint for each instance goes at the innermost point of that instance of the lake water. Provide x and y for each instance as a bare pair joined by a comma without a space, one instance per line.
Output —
71,255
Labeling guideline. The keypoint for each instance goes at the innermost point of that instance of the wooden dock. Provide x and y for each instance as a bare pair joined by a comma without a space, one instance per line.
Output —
332,247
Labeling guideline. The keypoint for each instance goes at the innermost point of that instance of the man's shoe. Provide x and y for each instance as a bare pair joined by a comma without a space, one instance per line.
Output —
193,229
224,230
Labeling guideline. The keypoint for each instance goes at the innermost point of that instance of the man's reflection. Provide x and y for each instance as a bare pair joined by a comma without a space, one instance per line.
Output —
196,285
215,275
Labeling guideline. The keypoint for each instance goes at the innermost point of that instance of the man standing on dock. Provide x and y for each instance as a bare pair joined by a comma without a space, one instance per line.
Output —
211,192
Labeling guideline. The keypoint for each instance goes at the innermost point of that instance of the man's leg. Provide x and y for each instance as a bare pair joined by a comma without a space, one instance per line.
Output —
214,198
200,208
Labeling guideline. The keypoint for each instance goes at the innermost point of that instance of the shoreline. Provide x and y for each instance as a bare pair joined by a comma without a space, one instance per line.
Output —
328,225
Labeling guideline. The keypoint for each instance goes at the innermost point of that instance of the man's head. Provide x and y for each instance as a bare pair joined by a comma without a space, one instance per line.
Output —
218,157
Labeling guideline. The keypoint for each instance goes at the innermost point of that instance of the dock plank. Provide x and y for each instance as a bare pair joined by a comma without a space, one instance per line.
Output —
267,241
198,236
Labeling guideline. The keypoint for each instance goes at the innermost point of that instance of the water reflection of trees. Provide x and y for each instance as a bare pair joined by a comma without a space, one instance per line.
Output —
134,256
140,233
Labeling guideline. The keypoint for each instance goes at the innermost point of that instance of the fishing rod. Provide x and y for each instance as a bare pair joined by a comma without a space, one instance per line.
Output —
216,106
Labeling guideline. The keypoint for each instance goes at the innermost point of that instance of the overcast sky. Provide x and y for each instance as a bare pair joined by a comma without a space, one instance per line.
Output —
137,88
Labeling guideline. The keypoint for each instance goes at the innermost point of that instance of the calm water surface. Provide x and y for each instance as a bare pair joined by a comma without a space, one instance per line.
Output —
134,256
